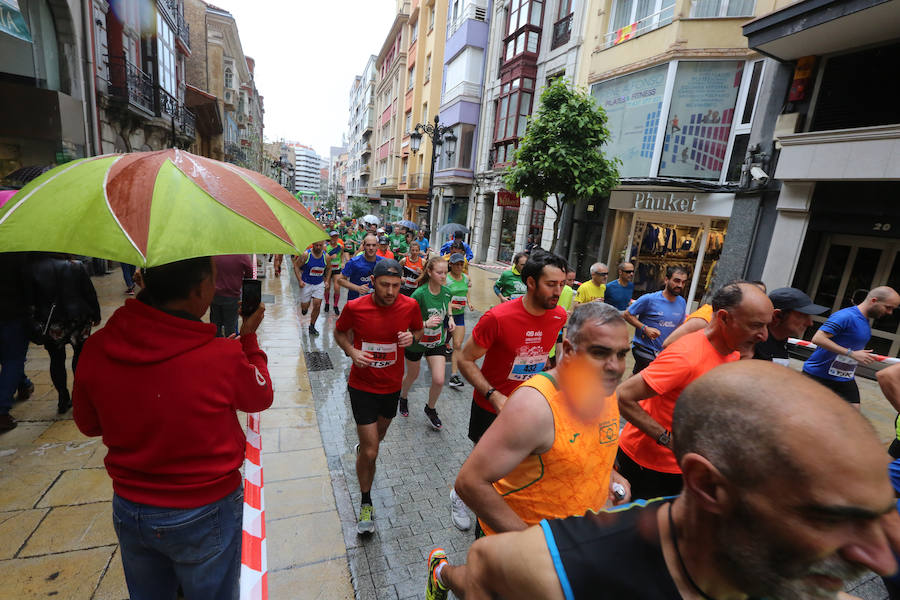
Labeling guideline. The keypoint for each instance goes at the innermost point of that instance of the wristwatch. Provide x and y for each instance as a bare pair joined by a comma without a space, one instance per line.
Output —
487,394
664,438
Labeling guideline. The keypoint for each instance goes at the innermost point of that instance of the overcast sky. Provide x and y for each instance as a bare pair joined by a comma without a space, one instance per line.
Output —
307,54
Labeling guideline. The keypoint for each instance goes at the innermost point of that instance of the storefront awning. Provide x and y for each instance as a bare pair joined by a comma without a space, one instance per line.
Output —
205,108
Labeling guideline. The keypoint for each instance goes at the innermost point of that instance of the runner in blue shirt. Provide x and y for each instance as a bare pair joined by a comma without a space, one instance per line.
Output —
357,273
620,291
312,270
841,342
656,315
447,248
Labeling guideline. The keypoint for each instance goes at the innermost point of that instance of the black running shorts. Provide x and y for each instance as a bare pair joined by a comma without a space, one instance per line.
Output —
848,390
368,406
417,356
479,421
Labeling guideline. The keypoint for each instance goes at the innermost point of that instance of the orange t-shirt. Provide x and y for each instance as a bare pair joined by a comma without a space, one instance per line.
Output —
572,477
674,369
704,312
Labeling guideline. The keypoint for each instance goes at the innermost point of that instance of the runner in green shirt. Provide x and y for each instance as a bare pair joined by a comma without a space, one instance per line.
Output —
334,251
510,285
434,301
459,284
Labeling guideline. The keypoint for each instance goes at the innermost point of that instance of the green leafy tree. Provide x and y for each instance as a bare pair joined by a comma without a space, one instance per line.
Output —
359,206
561,153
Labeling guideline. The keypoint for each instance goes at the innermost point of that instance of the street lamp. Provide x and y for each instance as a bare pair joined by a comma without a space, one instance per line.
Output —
438,134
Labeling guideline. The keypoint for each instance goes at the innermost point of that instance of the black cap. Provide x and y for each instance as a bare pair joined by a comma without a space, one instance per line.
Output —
788,299
456,257
387,266
383,240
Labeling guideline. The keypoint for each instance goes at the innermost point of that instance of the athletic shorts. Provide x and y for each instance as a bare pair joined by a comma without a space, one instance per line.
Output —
417,356
479,421
459,320
847,390
310,291
368,406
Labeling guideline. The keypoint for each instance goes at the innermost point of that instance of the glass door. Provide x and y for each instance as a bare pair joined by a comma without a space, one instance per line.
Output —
850,266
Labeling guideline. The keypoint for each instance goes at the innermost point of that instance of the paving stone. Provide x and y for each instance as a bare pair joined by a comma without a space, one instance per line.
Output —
291,465
72,528
15,527
297,497
78,487
329,580
65,575
304,539
112,585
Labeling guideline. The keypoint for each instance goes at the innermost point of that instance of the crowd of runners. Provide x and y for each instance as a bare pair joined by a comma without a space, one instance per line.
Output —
701,471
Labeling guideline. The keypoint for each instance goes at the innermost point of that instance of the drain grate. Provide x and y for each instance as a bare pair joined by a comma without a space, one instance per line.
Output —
318,361
268,298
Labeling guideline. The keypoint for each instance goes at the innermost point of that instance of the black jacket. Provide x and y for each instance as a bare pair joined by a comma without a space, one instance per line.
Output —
15,286
67,284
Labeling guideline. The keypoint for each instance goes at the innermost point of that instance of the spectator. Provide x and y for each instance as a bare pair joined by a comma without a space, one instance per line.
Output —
175,442
447,247
231,270
14,303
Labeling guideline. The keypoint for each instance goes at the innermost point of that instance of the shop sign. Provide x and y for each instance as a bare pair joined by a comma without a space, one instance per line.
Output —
507,199
11,20
681,202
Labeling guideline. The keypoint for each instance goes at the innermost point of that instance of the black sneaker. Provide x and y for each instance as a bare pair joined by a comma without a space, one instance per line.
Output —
313,330
433,418
7,422
25,392
455,382
337,311
403,407
327,306
64,403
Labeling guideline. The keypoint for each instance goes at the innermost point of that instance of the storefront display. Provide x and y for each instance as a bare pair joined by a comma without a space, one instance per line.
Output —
536,226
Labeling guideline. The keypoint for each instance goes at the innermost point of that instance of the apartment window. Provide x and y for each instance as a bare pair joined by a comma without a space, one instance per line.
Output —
165,42
229,78
703,9
425,112
628,12
413,32
523,29
427,68
513,108
408,127
565,8
431,18
404,171
412,77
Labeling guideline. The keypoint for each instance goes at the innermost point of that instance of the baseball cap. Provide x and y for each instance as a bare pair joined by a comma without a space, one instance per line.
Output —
456,257
382,240
380,230
788,299
387,266
333,232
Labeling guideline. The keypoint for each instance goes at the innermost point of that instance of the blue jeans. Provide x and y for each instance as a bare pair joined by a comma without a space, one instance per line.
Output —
13,349
128,274
198,548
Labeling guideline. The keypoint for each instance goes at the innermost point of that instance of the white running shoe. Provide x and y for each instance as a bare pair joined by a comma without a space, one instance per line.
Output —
459,512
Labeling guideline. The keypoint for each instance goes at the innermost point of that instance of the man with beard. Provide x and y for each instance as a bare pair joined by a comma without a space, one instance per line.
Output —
562,440
741,314
654,316
767,519
841,342
790,319
514,338
357,272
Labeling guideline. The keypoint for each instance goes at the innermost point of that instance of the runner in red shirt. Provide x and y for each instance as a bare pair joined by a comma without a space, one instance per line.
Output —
373,330
515,340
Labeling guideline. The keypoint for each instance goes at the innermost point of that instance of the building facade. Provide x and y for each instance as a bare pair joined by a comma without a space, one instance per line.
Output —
308,174
360,128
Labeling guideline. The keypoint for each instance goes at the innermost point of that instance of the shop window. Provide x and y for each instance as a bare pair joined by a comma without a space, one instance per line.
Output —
700,119
752,91
738,152
536,226
633,104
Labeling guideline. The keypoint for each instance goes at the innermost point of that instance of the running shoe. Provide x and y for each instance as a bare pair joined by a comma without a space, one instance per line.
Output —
130,291
25,391
455,381
327,306
366,523
356,449
403,407
337,311
459,513
434,589
433,418
313,330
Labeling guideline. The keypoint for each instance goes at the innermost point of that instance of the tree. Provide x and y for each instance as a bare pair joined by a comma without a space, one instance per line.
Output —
359,206
561,153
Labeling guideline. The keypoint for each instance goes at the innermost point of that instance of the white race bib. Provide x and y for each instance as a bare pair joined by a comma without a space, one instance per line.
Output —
383,355
316,271
524,367
843,367
458,302
431,337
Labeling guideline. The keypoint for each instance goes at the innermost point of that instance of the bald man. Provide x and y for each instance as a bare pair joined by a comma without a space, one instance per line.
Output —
842,340
741,315
768,519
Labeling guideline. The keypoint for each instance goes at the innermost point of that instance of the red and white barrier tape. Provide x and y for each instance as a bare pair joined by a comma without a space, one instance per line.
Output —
888,360
254,581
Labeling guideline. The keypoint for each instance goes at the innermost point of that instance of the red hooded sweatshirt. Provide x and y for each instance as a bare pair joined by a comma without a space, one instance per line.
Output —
163,392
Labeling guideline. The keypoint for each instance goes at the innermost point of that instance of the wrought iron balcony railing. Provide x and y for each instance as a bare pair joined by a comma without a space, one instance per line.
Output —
128,82
562,31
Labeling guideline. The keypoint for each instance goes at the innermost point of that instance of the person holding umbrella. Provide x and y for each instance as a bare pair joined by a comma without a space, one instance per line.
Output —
458,235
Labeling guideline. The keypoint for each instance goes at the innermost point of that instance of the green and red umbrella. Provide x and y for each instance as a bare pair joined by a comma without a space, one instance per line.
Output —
152,208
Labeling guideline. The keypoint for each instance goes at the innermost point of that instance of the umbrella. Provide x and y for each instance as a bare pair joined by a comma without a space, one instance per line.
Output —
408,225
152,208
26,174
370,219
5,195
452,228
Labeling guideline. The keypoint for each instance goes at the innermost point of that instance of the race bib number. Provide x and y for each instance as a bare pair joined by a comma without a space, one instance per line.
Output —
458,302
316,271
411,281
843,367
383,355
524,367
431,337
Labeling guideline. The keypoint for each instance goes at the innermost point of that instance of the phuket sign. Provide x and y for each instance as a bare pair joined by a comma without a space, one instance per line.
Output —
11,20
665,202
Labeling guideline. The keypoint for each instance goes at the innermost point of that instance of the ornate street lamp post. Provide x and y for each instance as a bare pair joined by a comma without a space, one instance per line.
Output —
438,134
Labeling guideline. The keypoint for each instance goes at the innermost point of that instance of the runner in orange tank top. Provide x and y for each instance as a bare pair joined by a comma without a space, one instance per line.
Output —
550,452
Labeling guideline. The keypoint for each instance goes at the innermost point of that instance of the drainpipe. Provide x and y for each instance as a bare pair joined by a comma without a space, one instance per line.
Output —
90,80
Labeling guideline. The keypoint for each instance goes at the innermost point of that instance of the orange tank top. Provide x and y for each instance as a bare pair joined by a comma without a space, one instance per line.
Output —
572,477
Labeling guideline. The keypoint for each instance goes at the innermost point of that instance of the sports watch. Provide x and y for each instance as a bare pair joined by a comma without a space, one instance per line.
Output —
664,438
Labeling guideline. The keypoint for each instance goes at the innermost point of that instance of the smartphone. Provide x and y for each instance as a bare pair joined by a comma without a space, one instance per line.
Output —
251,296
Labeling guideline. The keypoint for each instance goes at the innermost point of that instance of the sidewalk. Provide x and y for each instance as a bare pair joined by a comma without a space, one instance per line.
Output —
56,533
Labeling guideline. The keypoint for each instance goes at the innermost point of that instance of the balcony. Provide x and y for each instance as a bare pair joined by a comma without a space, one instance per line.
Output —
386,182
175,11
416,181
184,119
639,27
472,11
562,31
366,149
130,84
